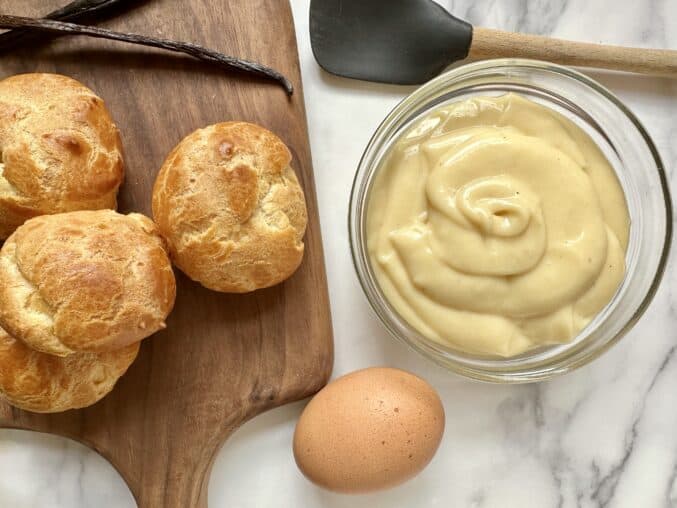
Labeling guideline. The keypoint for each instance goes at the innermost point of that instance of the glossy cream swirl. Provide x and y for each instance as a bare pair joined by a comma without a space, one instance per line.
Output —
496,225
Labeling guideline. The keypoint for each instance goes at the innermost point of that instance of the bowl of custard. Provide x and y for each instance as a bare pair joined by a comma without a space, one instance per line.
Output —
510,220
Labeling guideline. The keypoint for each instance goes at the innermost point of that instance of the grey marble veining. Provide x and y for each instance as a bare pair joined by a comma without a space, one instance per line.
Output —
604,436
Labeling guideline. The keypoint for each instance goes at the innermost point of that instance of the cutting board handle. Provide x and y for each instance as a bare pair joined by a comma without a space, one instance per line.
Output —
177,476
154,490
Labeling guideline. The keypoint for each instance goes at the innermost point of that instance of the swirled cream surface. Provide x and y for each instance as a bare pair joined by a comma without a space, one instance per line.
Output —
496,225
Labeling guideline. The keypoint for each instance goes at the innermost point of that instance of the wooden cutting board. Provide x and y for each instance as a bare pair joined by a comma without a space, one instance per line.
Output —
223,358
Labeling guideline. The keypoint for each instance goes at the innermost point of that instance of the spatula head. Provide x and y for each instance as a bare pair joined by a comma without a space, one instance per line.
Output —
390,41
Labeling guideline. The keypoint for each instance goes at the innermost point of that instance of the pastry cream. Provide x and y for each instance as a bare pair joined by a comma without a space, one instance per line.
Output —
496,225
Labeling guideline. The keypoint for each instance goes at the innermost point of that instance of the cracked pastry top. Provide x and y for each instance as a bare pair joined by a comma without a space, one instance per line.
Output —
231,208
45,383
59,149
88,281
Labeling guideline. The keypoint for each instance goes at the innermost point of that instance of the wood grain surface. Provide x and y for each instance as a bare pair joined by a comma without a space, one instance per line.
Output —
223,358
490,43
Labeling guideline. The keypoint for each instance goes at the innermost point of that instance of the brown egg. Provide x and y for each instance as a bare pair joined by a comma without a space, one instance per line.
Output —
369,430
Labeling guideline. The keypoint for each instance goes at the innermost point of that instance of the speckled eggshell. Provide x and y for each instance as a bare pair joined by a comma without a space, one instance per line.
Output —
369,430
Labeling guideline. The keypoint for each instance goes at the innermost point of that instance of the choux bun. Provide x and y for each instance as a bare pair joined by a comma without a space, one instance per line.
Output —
59,149
45,383
231,208
88,281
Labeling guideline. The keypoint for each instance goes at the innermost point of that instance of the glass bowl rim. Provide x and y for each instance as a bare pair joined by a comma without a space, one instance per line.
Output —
563,365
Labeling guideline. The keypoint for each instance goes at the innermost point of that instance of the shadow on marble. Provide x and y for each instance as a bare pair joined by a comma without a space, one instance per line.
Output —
638,84
656,86
365,87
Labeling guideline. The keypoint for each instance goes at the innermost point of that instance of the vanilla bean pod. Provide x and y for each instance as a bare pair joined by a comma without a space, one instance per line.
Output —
74,11
199,52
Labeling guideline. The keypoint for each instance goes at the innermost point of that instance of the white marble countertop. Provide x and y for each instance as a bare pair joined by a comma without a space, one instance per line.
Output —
603,436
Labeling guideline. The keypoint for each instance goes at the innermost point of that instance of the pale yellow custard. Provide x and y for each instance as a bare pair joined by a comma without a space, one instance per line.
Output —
496,225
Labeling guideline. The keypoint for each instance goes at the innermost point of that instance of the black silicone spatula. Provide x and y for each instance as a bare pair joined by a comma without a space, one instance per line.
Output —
410,41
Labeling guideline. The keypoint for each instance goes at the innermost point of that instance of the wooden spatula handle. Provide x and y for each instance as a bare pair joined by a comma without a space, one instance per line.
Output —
490,43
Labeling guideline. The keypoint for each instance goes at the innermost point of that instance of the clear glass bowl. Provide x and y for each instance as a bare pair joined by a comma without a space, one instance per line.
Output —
629,149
